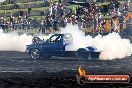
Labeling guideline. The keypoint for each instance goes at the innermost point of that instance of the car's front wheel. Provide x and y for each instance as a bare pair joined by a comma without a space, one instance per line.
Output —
35,54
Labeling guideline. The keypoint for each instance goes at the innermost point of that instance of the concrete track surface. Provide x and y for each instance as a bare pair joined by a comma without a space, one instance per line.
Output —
18,70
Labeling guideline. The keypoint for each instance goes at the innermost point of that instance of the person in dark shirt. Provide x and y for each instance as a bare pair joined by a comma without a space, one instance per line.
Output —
55,25
48,23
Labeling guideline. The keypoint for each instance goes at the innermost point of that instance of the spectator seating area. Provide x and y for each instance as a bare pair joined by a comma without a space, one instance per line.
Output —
49,15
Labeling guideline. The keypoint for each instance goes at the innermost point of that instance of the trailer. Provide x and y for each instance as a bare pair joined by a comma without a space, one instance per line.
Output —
56,46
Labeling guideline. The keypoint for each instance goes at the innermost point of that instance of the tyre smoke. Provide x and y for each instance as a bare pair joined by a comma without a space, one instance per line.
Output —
2,1
12,41
112,46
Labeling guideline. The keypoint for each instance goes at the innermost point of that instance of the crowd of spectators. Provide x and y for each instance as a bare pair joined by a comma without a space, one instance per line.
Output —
59,15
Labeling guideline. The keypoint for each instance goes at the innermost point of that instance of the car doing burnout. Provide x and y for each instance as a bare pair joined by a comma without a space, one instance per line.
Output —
56,46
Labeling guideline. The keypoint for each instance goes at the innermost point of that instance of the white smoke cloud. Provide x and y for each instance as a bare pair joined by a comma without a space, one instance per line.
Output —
111,45
79,38
2,1
13,41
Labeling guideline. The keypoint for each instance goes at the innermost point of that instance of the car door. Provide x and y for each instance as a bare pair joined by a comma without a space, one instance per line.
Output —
54,46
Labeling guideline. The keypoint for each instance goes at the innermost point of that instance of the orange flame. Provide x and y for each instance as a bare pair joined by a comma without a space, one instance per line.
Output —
81,71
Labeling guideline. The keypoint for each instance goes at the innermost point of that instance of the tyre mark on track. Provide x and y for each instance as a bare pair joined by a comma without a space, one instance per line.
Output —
16,71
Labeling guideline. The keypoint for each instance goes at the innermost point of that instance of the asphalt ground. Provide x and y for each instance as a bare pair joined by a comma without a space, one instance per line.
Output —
18,70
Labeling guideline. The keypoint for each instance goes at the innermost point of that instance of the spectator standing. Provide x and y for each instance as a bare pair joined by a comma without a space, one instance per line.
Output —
48,21
41,25
121,22
112,26
95,24
55,25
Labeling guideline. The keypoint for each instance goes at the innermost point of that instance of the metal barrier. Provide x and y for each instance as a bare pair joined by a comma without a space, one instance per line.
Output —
18,26
26,27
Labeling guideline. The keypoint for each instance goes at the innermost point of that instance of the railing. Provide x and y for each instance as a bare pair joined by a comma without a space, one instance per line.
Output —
124,28
18,26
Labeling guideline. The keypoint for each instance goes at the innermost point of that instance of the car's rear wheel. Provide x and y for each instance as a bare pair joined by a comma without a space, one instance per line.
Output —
35,54
82,54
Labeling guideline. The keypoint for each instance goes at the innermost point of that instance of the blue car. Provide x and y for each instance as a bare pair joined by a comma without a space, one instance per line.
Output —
55,46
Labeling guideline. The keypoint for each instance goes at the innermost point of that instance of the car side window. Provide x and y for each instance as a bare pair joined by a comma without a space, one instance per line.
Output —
56,38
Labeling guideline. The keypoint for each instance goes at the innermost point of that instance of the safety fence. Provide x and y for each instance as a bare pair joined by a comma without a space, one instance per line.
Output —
123,28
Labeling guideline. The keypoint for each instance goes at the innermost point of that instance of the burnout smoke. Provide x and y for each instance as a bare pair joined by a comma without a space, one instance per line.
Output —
112,46
2,1
14,42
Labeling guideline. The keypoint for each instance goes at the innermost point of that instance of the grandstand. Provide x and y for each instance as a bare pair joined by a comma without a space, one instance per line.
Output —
9,7
38,7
